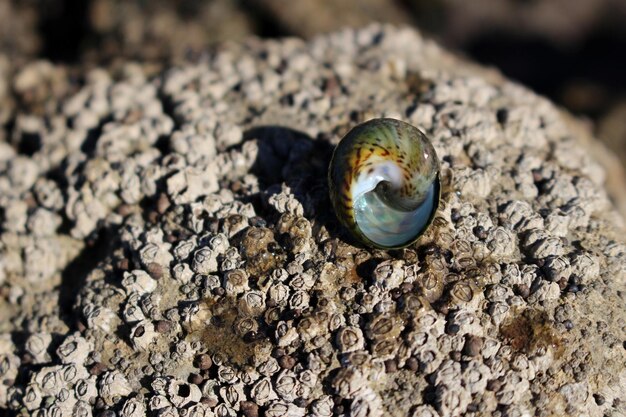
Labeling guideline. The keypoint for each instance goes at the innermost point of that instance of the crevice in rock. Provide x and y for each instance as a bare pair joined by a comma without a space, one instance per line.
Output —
88,146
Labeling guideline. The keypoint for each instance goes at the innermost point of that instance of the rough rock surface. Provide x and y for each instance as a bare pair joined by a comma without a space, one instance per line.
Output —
167,246
160,30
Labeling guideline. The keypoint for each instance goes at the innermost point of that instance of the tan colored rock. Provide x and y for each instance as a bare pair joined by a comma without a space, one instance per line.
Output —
512,301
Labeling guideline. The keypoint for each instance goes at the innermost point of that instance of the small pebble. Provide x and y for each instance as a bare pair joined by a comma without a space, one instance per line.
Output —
155,270
391,366
250,337
123,264
522,290
99,404
196,379
278,352
494,385
153,216
163,326
209,401
286,361
27,358
97,368
163,203
480,232
203,362
124,210
413,364
300,402
249,409
452,329
473,345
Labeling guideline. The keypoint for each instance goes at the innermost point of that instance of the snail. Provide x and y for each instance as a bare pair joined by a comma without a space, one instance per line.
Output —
384,183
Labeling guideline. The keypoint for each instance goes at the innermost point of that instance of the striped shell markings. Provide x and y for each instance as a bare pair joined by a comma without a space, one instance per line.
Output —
384,183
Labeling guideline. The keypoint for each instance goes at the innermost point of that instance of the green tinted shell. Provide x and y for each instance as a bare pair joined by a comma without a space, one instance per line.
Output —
384,183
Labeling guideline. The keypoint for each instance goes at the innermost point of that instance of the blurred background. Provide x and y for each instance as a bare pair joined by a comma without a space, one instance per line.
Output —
573,51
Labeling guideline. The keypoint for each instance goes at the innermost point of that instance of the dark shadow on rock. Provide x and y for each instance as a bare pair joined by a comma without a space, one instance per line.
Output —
287,154
75,274
299,161
365,270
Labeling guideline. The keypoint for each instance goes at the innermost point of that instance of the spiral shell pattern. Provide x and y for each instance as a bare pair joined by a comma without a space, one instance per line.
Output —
384,183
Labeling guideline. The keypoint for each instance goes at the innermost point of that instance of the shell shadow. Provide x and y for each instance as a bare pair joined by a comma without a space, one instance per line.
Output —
294,158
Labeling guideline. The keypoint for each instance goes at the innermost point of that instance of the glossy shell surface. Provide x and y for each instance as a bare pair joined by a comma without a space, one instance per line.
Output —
384,183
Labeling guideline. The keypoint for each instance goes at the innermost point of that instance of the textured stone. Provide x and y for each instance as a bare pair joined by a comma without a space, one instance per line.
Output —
173,235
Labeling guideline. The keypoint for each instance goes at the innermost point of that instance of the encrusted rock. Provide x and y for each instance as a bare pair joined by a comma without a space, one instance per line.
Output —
167,247
113,386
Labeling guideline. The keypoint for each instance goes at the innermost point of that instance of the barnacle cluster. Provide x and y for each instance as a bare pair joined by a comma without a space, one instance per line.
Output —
167,245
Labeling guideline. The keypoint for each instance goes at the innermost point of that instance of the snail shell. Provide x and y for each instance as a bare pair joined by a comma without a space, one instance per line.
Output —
384,183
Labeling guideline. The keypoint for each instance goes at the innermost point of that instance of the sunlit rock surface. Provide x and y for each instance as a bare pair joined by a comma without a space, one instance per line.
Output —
167,243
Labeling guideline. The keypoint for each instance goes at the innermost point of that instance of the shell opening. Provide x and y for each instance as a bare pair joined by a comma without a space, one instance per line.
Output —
391,226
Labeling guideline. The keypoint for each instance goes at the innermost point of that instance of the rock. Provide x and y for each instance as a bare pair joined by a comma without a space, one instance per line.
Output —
18,30
168,243
612,131
310,17
161,30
